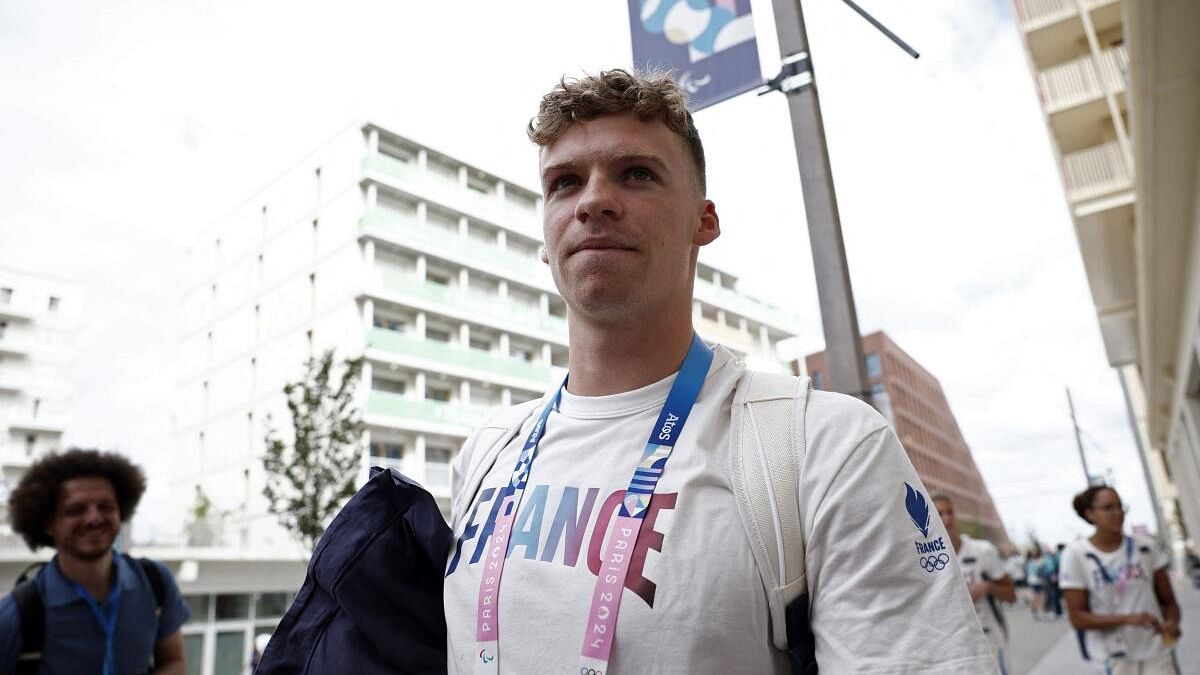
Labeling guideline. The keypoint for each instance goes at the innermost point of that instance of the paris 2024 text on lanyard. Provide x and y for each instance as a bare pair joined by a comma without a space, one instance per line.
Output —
606,597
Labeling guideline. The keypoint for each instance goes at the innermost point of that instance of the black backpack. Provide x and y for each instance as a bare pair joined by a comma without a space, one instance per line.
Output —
32,611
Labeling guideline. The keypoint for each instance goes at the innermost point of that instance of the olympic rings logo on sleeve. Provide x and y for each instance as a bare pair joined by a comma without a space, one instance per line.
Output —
934,563
584,670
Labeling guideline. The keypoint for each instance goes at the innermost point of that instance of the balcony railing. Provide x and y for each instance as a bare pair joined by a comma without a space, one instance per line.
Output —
15,347
761,312
1036,13
491,208
1074,82
402,407
537,375
450,245
472,302
1096,171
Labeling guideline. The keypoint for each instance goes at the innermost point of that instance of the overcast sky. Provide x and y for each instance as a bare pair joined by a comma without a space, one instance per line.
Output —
125,127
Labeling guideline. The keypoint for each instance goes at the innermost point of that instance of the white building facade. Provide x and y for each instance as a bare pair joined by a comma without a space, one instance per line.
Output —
1119,84
39,326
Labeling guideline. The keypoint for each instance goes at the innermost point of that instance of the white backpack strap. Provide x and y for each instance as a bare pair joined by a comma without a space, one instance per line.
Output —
767,452
484,447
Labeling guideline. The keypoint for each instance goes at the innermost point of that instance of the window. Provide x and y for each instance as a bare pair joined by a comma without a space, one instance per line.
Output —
435,278
390,386
816,379
233,606
53,304
198,604
271,605
480,185
390,324
481,345
437,455
874,368
387,450
6,295
37,406
3,327
437,394
437,335
30,442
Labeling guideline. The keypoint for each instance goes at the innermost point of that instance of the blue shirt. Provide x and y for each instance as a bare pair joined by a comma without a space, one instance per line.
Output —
74,639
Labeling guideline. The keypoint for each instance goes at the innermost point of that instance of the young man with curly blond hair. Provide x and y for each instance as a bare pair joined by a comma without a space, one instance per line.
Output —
563,563
97,611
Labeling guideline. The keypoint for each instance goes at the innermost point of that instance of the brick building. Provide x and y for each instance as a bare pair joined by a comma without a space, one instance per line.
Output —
912,400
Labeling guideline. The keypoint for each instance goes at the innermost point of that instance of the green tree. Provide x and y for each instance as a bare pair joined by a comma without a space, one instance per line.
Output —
309,479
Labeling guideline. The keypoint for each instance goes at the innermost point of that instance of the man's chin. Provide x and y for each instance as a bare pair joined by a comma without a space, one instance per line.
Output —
90,552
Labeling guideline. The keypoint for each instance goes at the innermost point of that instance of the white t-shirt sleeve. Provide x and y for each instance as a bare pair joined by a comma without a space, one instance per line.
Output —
992,565
886,591
1072,569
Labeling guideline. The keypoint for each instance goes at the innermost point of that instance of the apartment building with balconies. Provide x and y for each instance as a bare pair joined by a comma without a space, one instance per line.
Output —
1119,84
39,325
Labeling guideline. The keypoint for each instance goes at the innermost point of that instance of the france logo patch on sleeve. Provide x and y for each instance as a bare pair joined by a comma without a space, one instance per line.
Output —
918,509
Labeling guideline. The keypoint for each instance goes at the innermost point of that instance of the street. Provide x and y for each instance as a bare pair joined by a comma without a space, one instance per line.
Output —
1050,647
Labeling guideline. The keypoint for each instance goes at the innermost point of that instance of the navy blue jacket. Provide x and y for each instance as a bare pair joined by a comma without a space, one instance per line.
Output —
371,602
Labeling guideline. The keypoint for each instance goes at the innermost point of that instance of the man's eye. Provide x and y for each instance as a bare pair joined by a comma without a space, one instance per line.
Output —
563,182
640,173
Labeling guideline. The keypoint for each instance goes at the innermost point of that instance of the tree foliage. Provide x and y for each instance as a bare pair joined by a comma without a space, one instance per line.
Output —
309,479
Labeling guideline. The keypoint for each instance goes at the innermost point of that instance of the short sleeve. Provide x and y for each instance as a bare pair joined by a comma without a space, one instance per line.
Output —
1072,572
993,564
886,591
175,611
10,634
1162,558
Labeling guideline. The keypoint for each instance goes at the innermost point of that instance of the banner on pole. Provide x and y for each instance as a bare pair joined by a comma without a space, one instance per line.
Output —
707,45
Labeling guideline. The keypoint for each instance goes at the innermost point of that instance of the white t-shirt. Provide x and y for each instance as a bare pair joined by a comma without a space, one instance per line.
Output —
978,558
1125,585
696,603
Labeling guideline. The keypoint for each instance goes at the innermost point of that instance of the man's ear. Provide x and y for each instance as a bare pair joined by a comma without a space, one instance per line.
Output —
544,254
710,225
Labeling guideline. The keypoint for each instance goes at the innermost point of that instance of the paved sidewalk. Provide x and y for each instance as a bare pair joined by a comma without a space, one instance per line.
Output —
1063,656
1029,640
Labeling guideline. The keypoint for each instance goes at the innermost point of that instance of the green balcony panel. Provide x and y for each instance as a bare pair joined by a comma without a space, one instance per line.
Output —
474,302
401,406
391,224
454,355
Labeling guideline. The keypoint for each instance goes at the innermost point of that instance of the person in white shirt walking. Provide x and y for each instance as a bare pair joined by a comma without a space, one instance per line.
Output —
1118,593
987,579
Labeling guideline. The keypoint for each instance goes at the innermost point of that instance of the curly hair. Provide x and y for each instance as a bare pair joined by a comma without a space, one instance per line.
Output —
1084,500
649,96
33,503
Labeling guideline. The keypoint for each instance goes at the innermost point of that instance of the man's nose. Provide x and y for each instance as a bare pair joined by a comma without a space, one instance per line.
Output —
598,202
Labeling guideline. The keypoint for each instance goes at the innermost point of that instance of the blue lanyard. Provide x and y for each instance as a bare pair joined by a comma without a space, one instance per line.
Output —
106,617
666,431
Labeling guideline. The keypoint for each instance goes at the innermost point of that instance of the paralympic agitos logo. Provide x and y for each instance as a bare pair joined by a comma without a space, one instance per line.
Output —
574,518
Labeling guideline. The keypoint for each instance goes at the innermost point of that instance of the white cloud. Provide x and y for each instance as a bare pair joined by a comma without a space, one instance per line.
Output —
127,126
